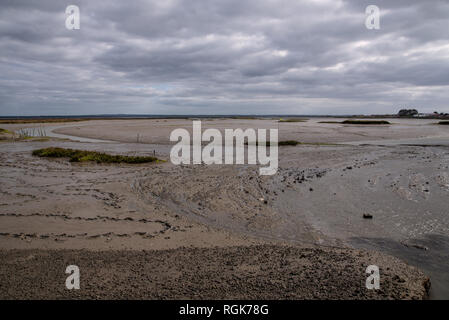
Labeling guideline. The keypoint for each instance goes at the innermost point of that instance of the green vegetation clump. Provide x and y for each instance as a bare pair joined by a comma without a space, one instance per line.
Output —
4,131
293,120
357,122
82,156
295,143
329,122
365,122
444,122
289,143
243,117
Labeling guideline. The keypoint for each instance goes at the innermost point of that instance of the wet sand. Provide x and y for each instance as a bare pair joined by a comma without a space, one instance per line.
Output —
244,272
317,199
157,131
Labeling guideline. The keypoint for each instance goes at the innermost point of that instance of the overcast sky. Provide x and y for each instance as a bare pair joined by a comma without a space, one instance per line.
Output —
223,57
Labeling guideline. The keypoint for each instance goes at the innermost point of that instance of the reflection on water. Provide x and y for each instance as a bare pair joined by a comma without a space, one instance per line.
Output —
430,254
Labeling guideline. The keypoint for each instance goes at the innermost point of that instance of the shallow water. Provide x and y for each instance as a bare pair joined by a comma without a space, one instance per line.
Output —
427,141
48,132
429,253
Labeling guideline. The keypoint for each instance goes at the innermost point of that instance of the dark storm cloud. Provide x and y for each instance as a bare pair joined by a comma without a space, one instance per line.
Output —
221,57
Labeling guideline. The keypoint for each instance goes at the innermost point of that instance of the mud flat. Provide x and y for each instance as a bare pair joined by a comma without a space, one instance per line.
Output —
157,131
306,233
243,272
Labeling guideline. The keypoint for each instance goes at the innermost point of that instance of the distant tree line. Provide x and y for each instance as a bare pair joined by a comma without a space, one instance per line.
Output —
414,113
407,112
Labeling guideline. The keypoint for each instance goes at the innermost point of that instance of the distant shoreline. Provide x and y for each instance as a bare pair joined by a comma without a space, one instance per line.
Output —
67,118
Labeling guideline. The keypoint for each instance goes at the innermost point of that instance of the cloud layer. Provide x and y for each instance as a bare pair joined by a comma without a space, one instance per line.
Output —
223,57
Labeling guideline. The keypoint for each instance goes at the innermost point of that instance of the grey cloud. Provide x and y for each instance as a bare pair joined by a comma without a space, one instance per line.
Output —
221,57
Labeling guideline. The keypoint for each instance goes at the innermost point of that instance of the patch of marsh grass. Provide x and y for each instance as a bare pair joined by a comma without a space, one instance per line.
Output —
293,120
295,143
83,156
338,122
365,122
289,143
244,117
